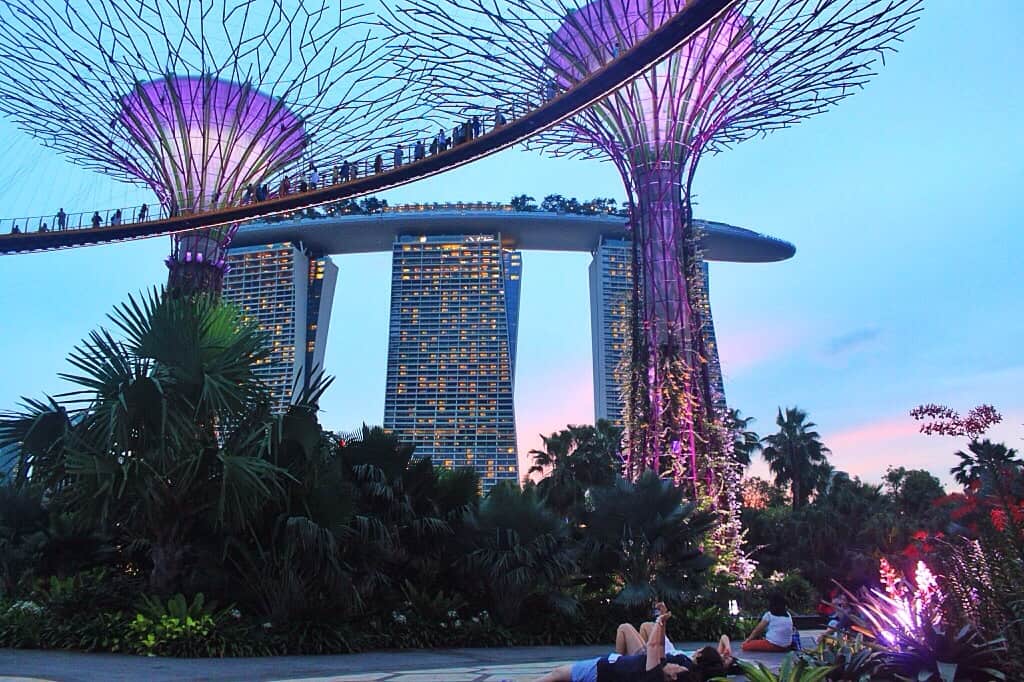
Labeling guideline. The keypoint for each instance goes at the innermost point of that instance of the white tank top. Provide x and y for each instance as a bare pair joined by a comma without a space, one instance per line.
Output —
780,629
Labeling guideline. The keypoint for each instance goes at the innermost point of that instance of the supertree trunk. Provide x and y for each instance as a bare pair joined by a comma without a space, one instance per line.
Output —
669,409
198,261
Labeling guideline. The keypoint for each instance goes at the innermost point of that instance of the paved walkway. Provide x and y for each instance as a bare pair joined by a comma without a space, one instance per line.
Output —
513,664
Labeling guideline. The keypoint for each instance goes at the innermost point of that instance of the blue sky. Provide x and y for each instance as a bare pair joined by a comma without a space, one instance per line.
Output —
904,203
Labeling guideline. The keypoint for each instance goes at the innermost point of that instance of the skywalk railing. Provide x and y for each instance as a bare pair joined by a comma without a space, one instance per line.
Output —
675,31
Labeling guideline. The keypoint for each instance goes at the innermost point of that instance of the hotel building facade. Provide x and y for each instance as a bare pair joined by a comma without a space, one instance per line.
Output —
452,351
456,277
611,287
288,291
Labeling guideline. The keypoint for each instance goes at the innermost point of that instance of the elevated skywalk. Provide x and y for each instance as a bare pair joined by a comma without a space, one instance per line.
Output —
646,53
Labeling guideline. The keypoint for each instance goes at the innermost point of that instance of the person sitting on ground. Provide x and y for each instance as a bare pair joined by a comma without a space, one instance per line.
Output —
648,667
839,620
44,228
15,230
777,627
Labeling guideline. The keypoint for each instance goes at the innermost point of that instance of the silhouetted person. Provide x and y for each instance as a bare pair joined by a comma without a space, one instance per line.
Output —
378,164
247,197
96,220
456,135
499,118
433,146
314,176
477,127
15,230
420,151
302,185
116,218
336,176
44,228
62,220
286,186
344,170
442,141
399,154
143,213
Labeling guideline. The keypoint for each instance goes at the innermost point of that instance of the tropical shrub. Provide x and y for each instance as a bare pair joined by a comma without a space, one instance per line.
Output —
521,551
849,656
793,669
646,539
917,638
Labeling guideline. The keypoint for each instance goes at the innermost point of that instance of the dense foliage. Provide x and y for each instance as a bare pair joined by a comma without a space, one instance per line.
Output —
160,508
163,476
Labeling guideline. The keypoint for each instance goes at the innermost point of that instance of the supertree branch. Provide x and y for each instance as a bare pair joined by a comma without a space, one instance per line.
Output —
804,56
65,68
760,66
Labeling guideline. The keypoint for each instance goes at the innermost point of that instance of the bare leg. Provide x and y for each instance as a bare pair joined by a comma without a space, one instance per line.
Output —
628,640
645,631
562,674
725,650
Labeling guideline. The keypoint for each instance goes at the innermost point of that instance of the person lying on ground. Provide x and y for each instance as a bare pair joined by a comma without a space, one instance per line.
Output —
629,640
650,666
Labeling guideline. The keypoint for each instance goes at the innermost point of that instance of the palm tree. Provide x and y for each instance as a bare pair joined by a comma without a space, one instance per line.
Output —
168,435
523,202
983,462
645,537
519,552
745,443
796,455
577,458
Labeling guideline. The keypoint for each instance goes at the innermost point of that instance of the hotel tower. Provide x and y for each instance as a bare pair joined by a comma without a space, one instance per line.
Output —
452,351
288,291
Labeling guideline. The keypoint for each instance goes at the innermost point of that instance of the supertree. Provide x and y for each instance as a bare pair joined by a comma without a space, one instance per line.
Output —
201,101
761,66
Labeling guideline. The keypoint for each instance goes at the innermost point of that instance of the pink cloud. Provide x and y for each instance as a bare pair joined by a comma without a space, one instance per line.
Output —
746,349
873,433
550,402
867,449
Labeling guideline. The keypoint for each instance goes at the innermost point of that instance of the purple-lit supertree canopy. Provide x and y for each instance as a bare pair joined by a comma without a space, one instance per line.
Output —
200,101
762,65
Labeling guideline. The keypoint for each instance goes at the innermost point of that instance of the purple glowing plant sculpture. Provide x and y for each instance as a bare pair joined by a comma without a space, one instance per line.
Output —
763,65
199,101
